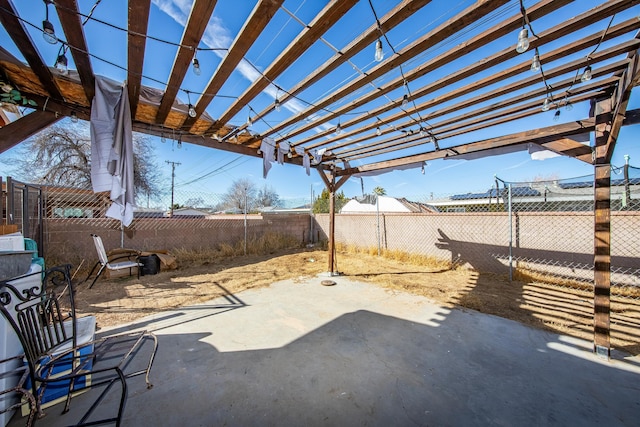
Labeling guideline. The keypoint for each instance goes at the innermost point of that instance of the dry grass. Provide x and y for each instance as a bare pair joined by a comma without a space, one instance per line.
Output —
204,275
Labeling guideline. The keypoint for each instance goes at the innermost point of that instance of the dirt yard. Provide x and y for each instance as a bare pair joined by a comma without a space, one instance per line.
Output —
559,309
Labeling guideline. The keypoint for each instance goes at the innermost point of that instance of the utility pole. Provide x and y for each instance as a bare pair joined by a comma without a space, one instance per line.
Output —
173,178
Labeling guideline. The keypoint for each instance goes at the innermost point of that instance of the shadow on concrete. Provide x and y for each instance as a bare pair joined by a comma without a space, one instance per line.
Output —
563,309
364,368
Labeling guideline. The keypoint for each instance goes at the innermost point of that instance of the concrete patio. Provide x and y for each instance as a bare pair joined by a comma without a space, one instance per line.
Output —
299,353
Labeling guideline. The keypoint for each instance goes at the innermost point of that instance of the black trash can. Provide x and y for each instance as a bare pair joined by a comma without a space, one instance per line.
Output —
150,264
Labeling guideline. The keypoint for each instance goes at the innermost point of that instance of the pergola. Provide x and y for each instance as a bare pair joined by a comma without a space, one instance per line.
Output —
454,87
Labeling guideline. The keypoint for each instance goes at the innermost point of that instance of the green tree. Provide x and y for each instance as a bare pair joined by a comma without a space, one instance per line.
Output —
321,204
379,191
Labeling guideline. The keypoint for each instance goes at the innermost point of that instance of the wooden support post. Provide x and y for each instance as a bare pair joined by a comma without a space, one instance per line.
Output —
332,226
329,180
602,231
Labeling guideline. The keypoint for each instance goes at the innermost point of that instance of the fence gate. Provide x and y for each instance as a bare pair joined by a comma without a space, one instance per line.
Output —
22,206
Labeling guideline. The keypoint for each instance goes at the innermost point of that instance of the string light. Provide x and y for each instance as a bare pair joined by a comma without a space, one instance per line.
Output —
62,63
192,111
338,128
196,66
546,106
405,100
535,63
74,117
378,131
523,41
568,105
586,75
556,116
277,105
379,55
48,33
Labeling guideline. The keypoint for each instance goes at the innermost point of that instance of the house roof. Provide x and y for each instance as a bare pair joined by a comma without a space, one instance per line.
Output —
456,67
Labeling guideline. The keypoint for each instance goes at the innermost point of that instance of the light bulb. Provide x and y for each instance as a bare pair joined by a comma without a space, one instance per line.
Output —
289,154
586,75
556,116
423,132
535,63
48,33
163,139
547,104
523,41
568,105
422,169
277,105
61,64
196,67
338,129
74,117
192,111
379,53
405,100
249,121
378,131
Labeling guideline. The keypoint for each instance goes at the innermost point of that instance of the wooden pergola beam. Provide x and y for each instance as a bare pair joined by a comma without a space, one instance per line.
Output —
198,19
261,15
74,32
540,136
545,37
138,22
459,51
389,21
460,106
17,131
335,10
442,32
20,36
479,117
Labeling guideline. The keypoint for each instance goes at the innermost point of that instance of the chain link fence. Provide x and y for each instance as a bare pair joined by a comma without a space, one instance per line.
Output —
540,231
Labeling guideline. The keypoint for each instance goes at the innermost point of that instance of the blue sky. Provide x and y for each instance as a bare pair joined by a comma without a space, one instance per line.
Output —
211,171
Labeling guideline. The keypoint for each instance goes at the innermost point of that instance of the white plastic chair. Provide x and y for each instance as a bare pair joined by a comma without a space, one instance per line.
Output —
103,260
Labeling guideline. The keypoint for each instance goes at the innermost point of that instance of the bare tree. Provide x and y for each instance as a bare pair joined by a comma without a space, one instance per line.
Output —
267,196
241,190
61,155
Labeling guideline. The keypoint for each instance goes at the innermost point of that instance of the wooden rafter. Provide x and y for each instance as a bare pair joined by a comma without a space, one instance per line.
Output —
198,20
487,96
439,34
542,136
138,23
20,36
482,39
26,126
74,33
482,119
629,79
544,37
335,10
260,17
389,21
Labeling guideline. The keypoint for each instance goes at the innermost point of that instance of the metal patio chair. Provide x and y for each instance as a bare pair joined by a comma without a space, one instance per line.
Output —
14,368
63,356
106,263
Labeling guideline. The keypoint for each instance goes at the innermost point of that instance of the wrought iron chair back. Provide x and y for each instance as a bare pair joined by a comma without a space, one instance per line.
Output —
45,320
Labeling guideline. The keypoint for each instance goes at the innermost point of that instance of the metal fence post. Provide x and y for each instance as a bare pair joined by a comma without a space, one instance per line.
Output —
510,235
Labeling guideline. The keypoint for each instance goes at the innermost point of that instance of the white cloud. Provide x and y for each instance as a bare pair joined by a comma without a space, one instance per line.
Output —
216,35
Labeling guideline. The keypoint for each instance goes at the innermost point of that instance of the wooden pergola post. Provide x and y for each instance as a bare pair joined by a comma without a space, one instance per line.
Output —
602,231
609,117
329,179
